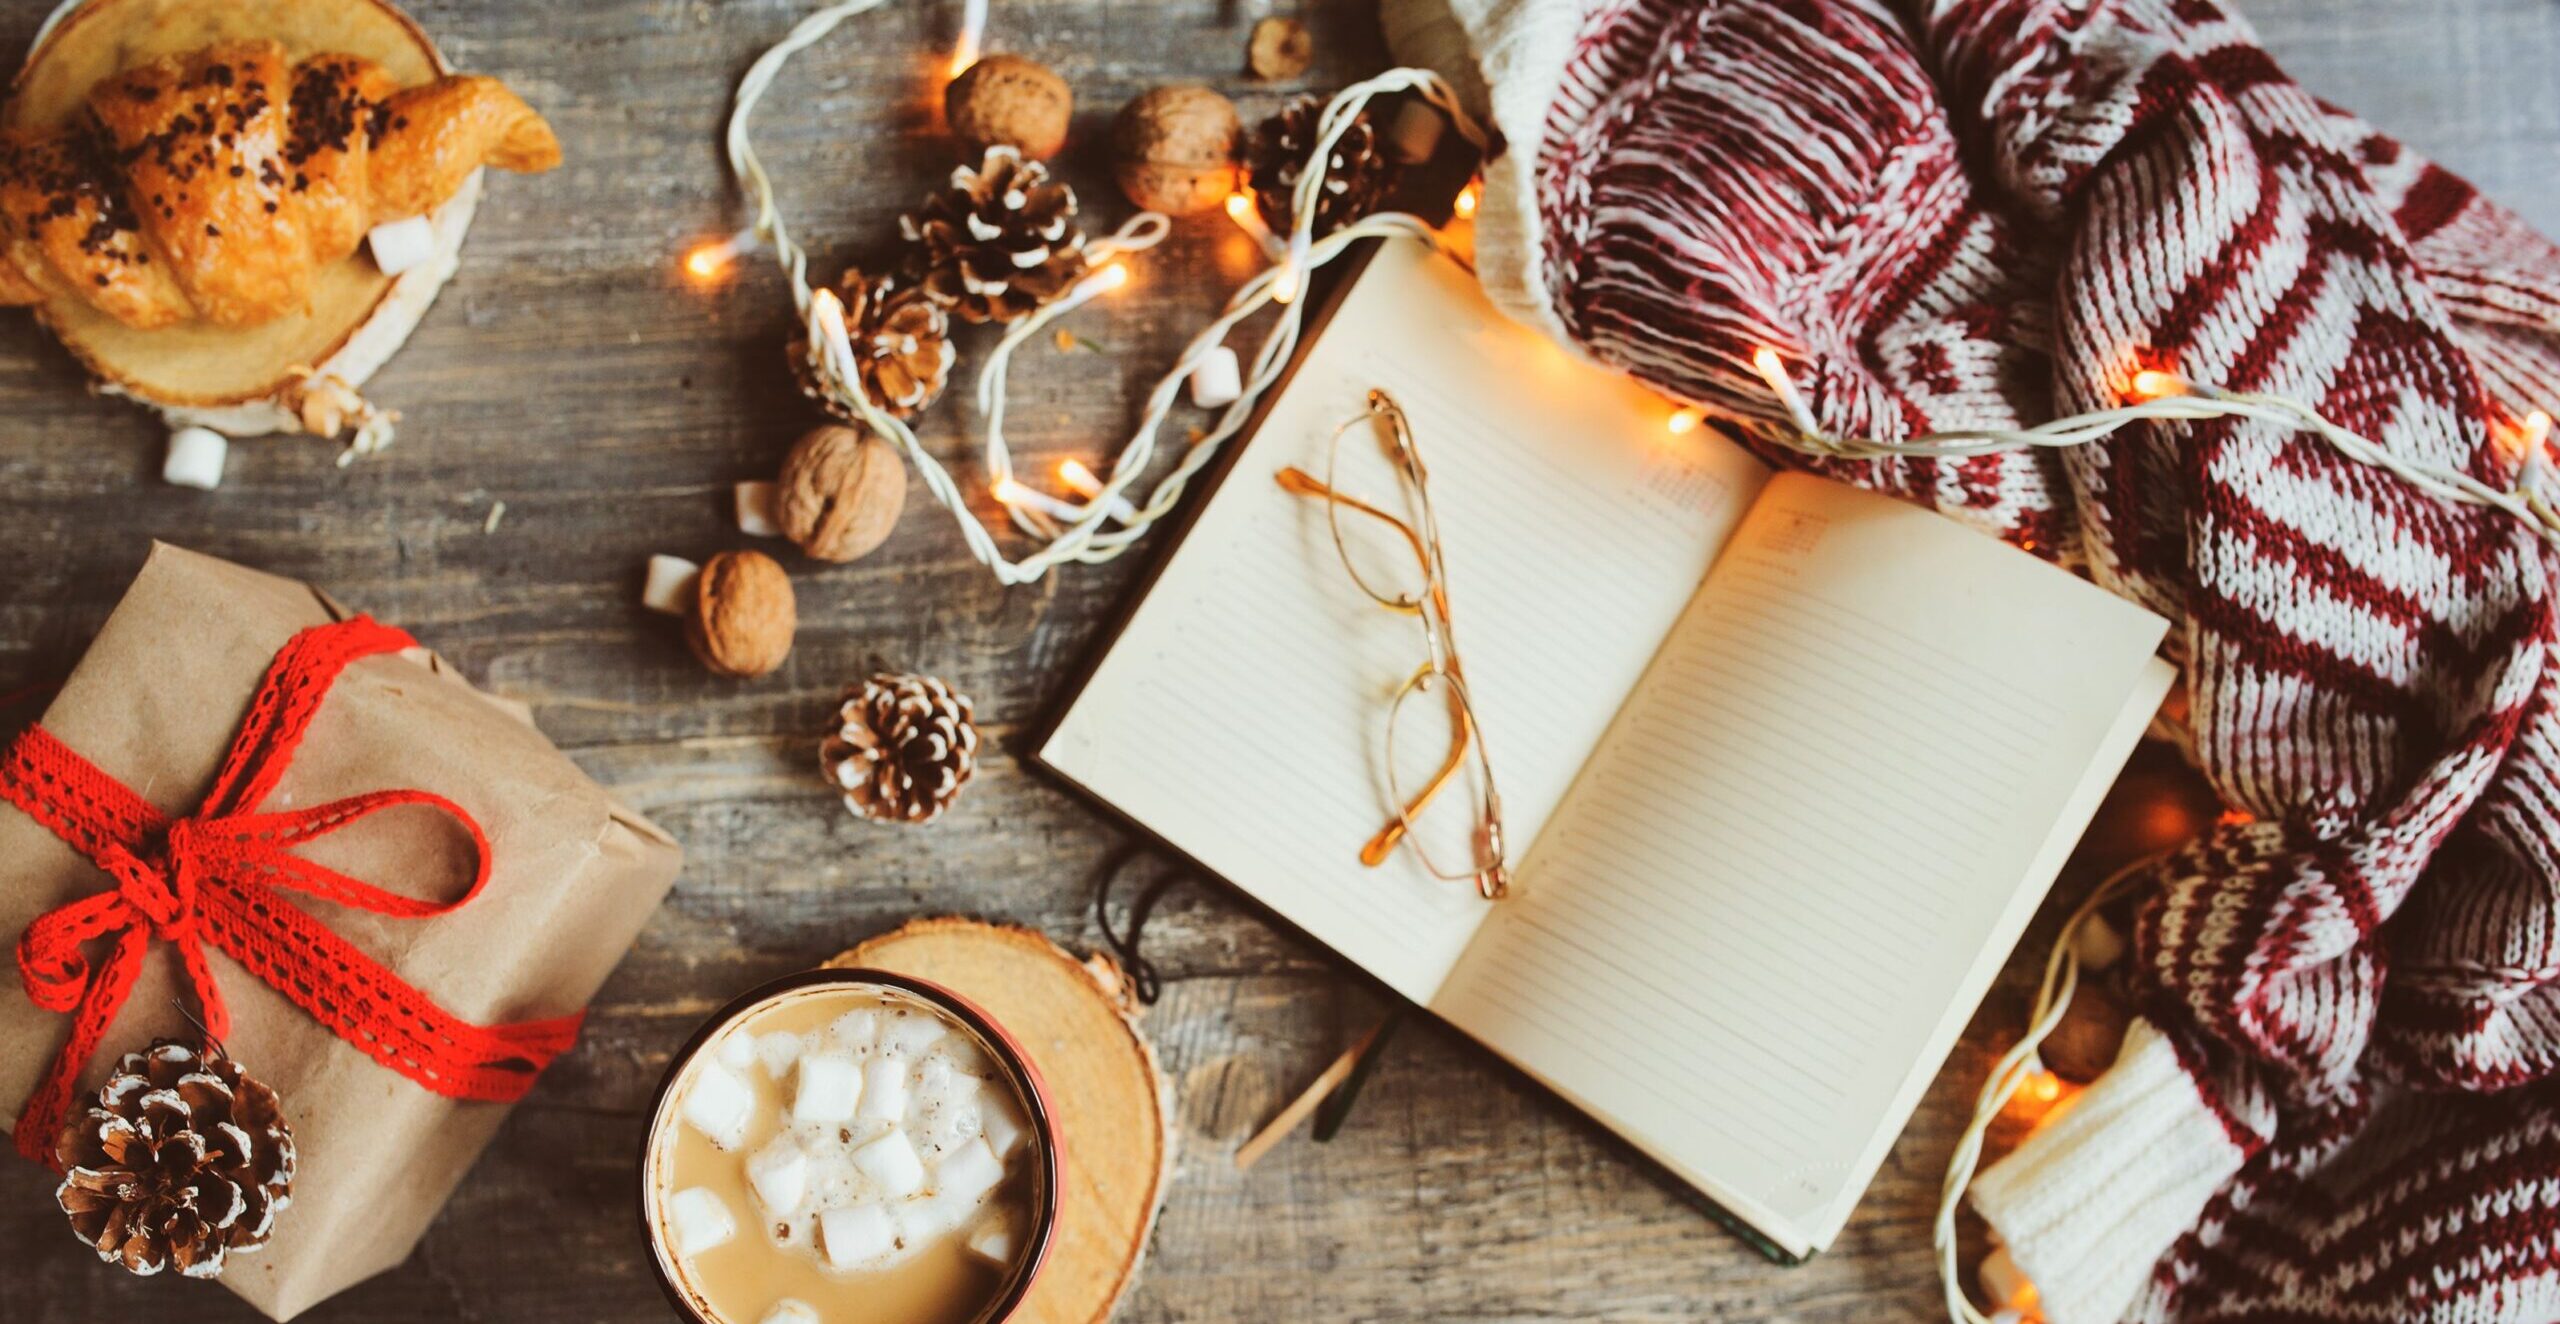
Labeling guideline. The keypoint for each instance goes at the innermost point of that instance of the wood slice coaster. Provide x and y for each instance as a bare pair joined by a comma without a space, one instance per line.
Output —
1078,1024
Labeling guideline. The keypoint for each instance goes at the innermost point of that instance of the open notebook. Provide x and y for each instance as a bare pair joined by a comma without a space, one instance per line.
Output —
1786,766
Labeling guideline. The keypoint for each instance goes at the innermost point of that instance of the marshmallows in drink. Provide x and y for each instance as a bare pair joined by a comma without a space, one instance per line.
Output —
856,1133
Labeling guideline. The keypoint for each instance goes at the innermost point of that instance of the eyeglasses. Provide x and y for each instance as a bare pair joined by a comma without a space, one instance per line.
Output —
1453,817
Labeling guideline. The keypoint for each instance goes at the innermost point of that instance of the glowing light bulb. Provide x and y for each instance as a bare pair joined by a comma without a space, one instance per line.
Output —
2537,429
1248,218
1010,492
1464,208
973,27
2043,1087
1284,287
1080,480
1683,421
1767,361
2154,384
1111,277
708,262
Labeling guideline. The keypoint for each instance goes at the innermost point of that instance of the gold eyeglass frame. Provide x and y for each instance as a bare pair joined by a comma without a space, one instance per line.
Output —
1490,871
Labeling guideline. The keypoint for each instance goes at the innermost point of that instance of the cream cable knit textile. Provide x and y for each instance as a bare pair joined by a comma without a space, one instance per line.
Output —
2117,1176
1991,212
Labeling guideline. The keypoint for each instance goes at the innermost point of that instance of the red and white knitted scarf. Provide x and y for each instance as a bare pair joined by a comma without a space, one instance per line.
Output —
2339,1103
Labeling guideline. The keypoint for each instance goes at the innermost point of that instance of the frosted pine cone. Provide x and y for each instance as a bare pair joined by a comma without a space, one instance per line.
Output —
1357,176
903,747
901,344
182,1160
999,241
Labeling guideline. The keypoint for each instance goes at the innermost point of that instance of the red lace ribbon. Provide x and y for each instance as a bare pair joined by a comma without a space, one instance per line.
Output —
220,875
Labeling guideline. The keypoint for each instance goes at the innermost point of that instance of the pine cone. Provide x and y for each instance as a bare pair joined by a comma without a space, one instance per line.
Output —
999,242
1356,179
184,1160
904,746
901,342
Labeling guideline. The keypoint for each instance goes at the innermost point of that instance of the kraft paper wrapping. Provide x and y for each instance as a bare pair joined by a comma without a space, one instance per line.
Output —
155,702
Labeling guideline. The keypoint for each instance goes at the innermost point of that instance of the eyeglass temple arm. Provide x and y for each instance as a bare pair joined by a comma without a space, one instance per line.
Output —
1389,837
1302,483
1298,481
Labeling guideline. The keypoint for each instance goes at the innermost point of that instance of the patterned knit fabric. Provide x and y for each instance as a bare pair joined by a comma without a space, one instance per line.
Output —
2340,1104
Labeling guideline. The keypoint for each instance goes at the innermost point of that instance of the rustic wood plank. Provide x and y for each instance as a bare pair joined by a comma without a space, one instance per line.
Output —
570,375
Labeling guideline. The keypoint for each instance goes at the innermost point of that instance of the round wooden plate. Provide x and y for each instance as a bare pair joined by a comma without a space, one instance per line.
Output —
195,365
1076,1021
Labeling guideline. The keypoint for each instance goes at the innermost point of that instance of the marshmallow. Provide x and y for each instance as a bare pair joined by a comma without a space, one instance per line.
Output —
737,1050
2002,1282
195,459
965,1056
779,1172
928,1220
791,1311
830,1086
698,1221
400,245
943,1112
909,1034
891,1164
670,586
1218,380
856,1235
884,1090
969,1173
945,1129
2097,944
719,1105
778,1051
755,511
1000,1121
994,1240
856,1032
833,1181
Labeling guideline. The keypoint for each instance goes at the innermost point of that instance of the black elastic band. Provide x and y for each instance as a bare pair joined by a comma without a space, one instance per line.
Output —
1144,982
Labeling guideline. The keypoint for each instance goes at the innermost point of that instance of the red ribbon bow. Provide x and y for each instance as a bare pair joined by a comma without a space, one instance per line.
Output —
220,875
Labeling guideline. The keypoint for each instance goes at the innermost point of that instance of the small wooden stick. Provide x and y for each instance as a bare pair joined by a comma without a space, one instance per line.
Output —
1307,1101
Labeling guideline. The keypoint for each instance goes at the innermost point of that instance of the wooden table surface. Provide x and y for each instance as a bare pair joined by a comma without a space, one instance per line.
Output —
569,374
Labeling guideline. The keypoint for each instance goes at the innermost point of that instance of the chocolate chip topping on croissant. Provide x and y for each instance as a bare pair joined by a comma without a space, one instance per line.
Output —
214,185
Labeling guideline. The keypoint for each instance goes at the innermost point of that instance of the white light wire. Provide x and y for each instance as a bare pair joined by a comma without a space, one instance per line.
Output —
1084,536
2188,401
2014,1069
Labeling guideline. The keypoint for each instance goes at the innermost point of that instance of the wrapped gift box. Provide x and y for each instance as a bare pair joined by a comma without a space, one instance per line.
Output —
156,702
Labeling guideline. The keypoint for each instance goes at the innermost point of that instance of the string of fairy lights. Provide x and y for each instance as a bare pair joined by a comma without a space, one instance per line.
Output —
1107,514
1104,514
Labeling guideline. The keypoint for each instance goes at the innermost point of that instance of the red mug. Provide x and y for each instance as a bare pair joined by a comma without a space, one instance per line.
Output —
1001,1047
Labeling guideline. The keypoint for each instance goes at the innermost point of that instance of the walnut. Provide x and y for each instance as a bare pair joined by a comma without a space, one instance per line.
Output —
840,493
2085,1043
1175,149
743,615
1281,49
1008,101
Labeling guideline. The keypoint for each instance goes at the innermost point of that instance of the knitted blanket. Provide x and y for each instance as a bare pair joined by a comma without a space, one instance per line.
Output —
2338,1101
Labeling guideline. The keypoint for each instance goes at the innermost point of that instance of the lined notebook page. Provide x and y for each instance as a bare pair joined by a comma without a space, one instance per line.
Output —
1240,715
1751,934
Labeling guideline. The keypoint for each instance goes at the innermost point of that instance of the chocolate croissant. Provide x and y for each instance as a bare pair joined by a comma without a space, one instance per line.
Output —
214,185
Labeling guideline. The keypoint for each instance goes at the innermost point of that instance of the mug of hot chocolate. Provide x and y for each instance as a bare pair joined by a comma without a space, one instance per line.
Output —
849,1147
